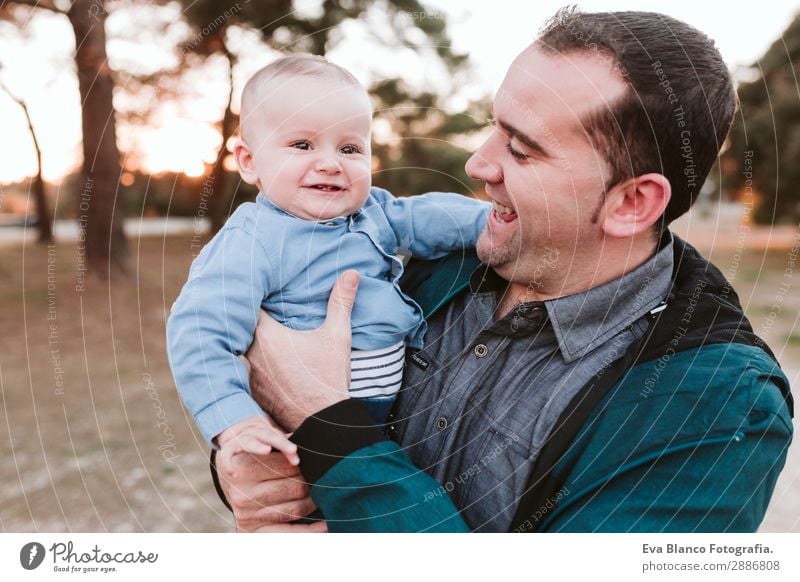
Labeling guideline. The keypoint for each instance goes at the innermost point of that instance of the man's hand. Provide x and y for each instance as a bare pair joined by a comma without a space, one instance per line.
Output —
295,374
267,493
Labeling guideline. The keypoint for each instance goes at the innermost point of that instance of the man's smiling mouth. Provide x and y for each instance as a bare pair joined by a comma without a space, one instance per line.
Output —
503,213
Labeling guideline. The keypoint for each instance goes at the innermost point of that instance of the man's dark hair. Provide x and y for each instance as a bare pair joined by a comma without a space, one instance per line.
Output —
680,99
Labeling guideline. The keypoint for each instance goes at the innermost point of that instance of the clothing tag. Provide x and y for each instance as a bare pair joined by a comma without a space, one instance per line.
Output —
420,361
658,309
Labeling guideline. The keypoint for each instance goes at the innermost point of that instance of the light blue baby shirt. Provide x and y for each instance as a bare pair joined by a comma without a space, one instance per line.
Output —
266,258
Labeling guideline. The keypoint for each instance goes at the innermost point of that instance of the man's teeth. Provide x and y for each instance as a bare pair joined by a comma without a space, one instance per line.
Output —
502,209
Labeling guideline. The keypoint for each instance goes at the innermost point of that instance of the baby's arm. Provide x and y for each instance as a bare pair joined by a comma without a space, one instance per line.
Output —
212,323
434,224
256,435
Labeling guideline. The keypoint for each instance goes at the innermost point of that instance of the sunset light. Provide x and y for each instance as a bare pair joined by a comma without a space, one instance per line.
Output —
178,146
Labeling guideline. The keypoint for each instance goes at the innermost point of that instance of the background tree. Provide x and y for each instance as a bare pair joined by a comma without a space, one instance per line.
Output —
419,126
423,154
768,125
284,29
106,246
43,216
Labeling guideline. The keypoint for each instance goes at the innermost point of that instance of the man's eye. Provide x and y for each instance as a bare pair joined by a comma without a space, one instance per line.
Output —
301,145
514,153
349,150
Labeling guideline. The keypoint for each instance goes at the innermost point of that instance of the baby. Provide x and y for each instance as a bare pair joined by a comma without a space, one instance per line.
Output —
305,142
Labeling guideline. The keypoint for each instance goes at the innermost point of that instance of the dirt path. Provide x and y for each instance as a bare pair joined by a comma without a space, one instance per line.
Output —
92,430
93,435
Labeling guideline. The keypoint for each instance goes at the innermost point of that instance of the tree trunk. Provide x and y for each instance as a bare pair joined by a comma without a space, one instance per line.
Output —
43,223
100,215
220,201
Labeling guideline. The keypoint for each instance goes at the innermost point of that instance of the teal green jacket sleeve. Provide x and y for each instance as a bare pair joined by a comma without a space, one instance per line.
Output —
712,481
686,491
365,483
718,476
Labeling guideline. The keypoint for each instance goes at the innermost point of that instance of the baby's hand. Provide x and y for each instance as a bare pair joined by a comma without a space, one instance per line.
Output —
256,435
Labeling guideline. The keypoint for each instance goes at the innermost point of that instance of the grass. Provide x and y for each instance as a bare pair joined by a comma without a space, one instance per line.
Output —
88,459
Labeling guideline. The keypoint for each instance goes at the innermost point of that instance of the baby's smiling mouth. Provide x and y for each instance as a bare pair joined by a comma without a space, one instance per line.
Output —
323,187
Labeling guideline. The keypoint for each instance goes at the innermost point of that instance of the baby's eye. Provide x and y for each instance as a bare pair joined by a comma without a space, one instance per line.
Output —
350,150
301,145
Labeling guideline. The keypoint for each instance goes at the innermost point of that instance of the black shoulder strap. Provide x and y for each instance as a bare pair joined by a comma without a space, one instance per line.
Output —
717,318
544,485
212,464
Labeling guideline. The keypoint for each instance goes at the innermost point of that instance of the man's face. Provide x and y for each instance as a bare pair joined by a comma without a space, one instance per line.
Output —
310,145
542,173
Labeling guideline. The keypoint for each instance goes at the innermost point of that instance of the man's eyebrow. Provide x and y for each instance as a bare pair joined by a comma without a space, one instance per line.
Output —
531,144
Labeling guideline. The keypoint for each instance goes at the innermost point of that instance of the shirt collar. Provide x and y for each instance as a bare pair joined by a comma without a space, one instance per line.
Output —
585,320
336,221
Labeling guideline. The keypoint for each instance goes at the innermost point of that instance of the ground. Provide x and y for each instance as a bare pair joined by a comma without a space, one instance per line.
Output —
94,437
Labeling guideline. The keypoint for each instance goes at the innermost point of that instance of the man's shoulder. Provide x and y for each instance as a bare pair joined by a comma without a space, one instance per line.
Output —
702,346
701,308
700,374
719,383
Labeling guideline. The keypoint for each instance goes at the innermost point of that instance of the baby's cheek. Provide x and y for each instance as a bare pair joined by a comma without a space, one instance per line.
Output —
360,198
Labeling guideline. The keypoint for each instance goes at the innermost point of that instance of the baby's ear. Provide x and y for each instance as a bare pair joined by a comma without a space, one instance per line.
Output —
244,161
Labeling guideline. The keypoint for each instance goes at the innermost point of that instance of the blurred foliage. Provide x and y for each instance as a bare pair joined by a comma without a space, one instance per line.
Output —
165,194
416,121
423,154
422,144
765,138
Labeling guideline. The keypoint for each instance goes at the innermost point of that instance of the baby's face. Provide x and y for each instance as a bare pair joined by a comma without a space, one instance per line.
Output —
309,146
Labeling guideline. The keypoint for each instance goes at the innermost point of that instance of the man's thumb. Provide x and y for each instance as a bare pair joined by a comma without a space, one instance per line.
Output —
342,299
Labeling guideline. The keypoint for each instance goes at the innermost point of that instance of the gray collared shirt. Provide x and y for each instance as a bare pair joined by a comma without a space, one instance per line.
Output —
479,401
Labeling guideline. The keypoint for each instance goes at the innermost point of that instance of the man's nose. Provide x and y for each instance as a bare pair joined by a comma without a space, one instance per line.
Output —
481,165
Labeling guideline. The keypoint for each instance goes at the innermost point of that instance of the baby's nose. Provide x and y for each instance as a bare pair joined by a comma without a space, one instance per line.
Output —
328,165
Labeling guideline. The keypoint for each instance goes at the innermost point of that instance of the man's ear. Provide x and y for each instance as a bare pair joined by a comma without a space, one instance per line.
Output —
633,206
244,161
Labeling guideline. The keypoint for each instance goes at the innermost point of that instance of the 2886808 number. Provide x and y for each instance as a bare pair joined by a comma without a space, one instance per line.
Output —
745,565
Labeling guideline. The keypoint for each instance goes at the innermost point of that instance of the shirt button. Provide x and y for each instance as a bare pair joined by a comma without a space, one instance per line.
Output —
441,423
481,351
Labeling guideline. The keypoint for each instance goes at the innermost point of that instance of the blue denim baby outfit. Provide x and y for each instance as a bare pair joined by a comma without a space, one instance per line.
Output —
264,257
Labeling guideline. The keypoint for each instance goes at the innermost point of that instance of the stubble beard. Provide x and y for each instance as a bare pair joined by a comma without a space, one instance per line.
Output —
533,268
496,256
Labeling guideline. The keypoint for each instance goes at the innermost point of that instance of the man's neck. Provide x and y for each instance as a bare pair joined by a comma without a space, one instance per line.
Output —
599,271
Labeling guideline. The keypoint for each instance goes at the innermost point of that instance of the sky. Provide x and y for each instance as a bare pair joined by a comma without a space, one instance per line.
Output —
37,68
494,32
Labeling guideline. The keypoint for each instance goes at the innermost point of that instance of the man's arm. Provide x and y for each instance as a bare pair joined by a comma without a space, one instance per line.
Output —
365,483
266,494
360,481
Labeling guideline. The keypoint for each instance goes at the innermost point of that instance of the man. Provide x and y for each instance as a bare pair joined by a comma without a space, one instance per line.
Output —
594,373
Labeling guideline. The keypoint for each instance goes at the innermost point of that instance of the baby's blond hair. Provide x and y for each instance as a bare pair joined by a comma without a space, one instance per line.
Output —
294,65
